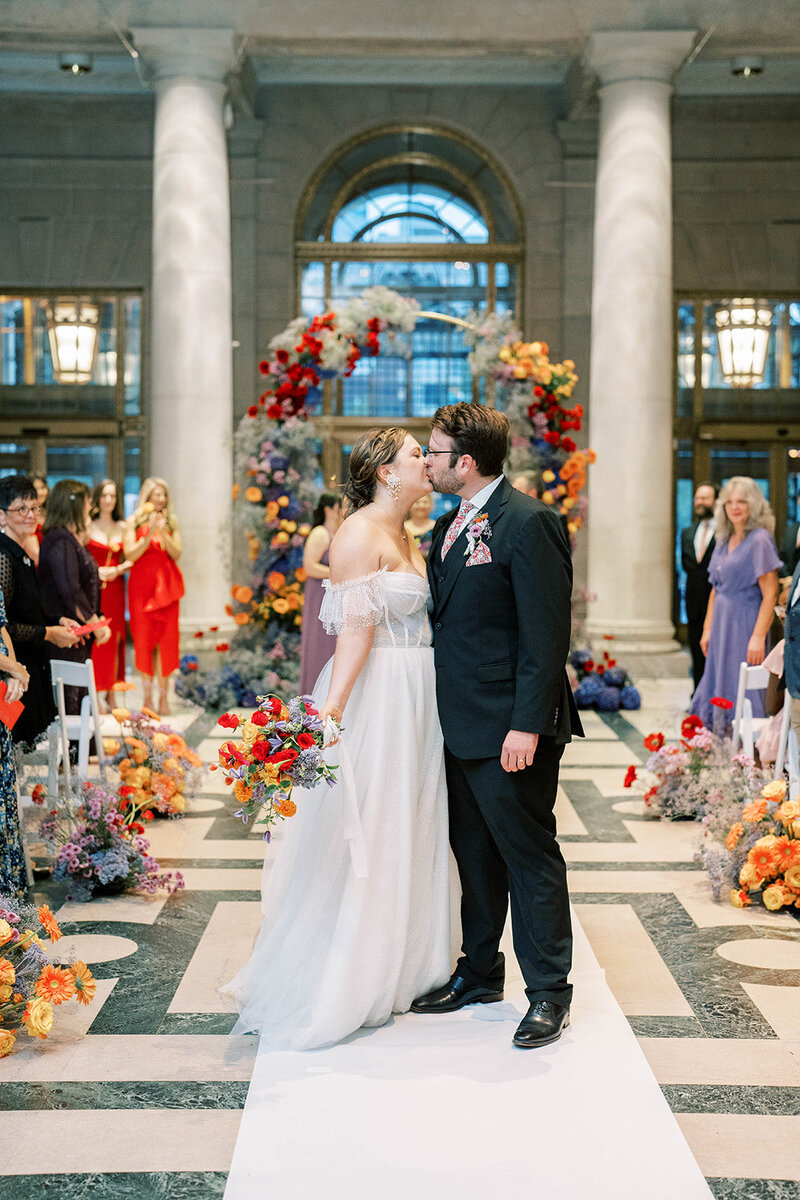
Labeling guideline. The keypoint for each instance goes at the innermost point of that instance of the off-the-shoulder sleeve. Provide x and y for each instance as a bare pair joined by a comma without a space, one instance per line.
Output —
354,604
764,555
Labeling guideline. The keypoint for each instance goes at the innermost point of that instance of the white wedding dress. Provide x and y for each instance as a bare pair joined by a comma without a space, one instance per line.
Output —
356,912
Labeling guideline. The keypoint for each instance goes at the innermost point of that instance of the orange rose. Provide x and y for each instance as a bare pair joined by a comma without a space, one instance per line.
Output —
774,791
7,1042
788,812
242,618
7,972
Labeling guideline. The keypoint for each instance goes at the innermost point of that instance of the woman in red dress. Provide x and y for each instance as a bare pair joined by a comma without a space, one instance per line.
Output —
106,531
152,543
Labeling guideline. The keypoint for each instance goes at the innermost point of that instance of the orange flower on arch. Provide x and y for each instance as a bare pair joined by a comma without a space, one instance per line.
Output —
275,580
253,494
300,574
242,618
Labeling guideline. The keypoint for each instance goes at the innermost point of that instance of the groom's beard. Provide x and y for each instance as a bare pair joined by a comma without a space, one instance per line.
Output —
448,482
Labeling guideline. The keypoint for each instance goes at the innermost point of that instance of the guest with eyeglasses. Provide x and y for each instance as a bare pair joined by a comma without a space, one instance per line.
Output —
31,634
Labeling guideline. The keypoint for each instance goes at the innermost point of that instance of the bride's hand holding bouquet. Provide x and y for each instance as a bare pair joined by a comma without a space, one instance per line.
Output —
277,749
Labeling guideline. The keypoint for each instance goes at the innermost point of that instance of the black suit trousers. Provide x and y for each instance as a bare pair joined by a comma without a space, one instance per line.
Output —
503,834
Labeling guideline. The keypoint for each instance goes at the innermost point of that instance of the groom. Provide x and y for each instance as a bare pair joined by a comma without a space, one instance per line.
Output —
500,574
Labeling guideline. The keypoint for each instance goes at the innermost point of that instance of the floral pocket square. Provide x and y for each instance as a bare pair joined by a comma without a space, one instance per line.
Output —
481,554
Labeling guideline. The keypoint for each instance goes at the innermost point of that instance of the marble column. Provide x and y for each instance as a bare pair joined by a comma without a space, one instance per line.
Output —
631,378
191,388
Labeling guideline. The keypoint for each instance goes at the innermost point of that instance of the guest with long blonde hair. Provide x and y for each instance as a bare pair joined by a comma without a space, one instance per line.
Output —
744,587
152,544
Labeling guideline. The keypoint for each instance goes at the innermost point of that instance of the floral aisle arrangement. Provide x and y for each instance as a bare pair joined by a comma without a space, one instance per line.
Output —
277,475
602,684
751,846
535,395
158,770
31,986
278,748
100,848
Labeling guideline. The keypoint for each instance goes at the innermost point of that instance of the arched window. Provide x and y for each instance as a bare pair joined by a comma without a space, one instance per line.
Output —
424,212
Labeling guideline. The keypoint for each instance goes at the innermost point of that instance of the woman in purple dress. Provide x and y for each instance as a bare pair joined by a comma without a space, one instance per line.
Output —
317,646
744,578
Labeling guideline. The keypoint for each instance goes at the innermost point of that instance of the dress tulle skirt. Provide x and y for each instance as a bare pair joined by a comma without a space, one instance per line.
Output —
342,947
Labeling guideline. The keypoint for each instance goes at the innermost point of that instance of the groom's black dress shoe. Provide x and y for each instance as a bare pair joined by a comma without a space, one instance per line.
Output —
543,1023
455,994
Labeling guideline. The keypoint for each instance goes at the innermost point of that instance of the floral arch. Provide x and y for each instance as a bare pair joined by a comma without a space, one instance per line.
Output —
277,470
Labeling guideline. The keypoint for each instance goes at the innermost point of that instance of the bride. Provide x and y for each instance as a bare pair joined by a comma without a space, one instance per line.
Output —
356,918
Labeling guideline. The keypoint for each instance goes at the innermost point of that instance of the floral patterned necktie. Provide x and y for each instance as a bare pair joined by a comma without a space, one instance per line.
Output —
464,510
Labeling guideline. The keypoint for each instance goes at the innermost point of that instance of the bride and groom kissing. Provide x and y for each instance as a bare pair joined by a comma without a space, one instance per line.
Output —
451,690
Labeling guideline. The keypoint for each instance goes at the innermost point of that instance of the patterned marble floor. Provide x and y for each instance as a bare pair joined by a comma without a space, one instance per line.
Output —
140,1095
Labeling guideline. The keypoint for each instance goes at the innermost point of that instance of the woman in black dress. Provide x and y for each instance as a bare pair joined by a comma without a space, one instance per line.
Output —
68,574
30,633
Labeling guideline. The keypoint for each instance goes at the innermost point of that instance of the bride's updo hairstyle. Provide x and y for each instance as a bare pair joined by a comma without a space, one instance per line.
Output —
375,448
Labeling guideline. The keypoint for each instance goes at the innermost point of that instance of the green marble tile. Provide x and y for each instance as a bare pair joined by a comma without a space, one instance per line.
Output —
198,1023
178,864
747,1101
753,1189
632,866
596,812
667,1027
30,1096
626,732
147,1185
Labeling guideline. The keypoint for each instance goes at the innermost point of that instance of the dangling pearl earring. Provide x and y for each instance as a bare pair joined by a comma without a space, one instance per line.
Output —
393,485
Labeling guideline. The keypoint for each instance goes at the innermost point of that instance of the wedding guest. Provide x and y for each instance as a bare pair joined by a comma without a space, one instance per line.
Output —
317,646
744,588
68,574
34,541
30,633
529,482
152,544
697,546
13,876
419,524
790,548
106,533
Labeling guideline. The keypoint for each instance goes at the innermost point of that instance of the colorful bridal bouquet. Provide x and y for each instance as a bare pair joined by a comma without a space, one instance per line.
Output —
278,748
157,768
100,849
753,849
30,985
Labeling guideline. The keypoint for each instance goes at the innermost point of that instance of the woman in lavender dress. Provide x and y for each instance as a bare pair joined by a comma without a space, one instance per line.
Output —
317,646
744,578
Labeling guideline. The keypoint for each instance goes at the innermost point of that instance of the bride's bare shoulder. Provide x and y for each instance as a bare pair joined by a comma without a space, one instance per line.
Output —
355,549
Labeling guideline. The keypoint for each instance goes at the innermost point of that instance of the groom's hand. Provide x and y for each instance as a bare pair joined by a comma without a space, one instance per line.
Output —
518,750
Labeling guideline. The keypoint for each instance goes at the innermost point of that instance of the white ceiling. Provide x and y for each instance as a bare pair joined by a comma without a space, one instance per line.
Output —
399,41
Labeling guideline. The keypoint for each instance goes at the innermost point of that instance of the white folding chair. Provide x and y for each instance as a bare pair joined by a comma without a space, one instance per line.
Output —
751,679
783,740
793,763
73,728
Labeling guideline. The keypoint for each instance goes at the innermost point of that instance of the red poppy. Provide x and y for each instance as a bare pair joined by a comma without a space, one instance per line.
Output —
552,438
252,411
222,647
588,666
37,795
690,725
282,356
274,412
199,633
601,670
630,776
228,721
191,666
263,367
568,445
148,816
654,741
213,628
721,702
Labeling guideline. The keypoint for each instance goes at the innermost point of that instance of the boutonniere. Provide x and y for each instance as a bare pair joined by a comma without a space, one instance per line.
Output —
477,530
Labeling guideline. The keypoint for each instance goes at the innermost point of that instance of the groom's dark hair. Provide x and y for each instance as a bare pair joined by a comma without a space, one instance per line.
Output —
476,430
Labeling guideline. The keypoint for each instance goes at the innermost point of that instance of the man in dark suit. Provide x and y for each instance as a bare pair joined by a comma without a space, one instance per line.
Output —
790,549
501,576
697,546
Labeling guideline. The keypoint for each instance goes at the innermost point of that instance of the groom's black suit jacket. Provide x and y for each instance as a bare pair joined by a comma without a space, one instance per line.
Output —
501,629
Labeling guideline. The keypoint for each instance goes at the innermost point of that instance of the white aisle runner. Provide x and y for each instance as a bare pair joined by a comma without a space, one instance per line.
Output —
438,1106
